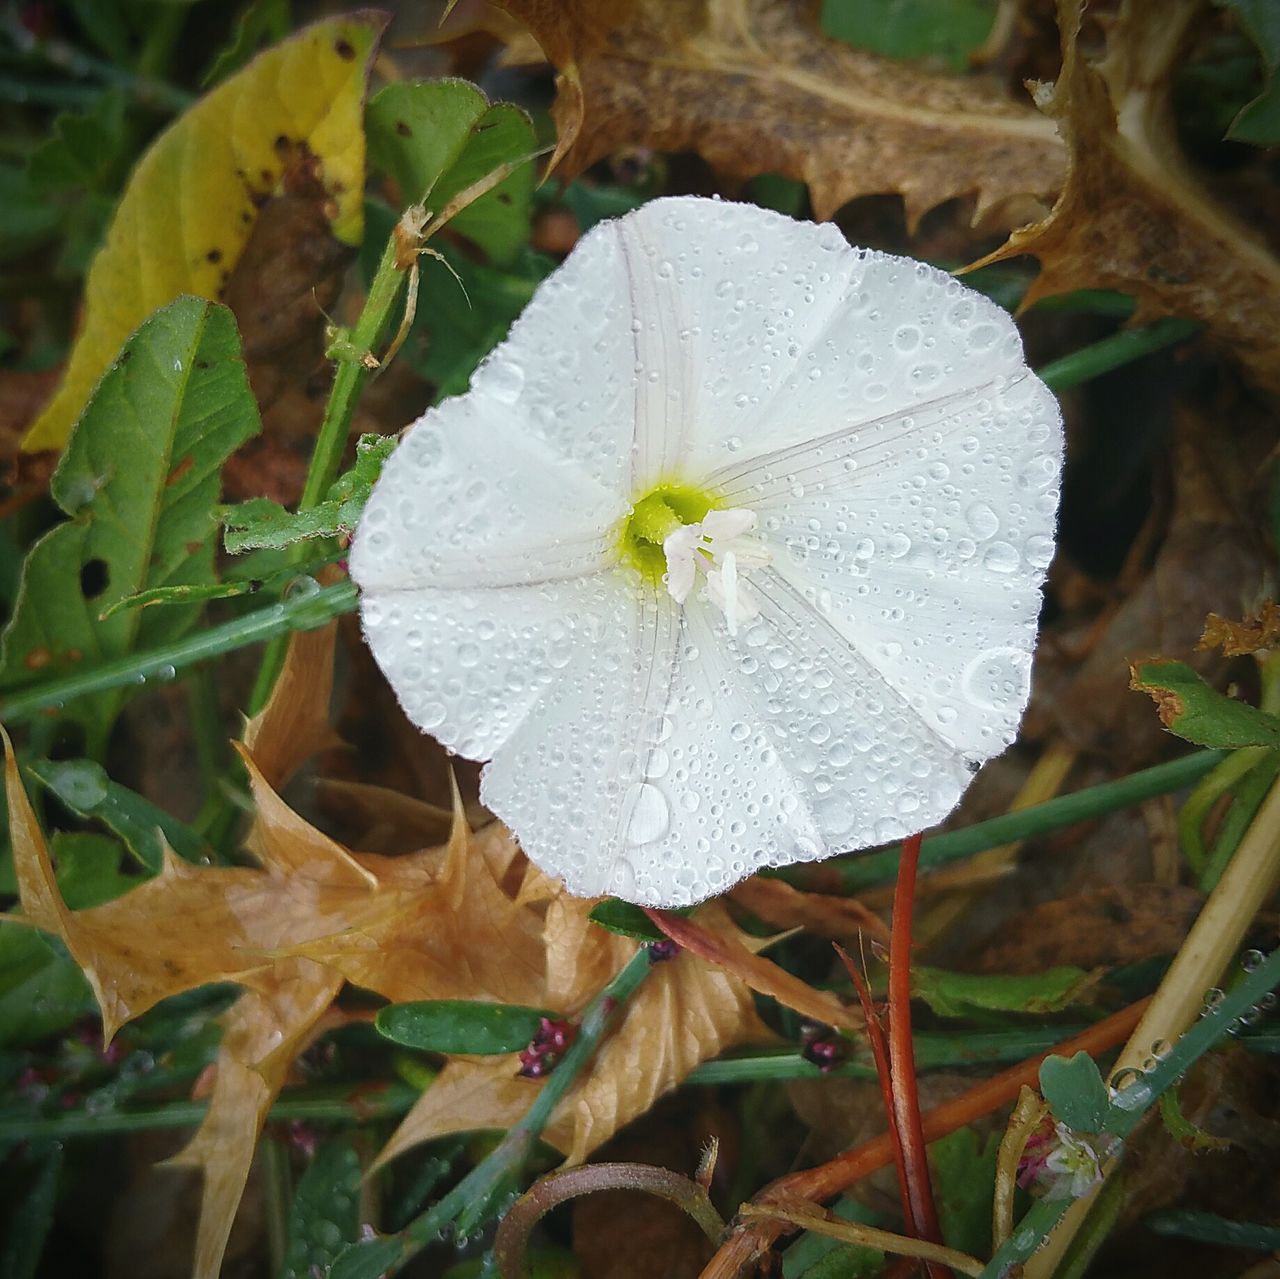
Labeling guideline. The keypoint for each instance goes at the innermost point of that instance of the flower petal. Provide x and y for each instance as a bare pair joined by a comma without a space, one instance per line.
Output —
892,533
571,779
468,666
525,477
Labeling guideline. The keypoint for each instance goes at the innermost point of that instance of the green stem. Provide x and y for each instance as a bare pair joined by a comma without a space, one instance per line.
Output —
478,1195
857,871
389,1103
300,613
1203,797
1247,796
277,1198
352,352
1111,352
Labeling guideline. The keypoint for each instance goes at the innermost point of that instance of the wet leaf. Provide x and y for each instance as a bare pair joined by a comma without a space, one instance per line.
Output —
754,88
186,215
1132,216
460,1026
261,522
42,990
325,1215
969,994
438,137
964,1173
1075,1092
138,481
1193,709
686,1012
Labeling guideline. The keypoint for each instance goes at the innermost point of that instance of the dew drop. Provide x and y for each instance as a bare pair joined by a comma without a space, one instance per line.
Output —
647,815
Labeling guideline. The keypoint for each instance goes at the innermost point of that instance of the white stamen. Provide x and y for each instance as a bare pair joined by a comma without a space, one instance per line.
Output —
718,545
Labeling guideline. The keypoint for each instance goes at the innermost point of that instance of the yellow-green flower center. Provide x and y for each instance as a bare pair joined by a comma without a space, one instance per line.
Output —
653,519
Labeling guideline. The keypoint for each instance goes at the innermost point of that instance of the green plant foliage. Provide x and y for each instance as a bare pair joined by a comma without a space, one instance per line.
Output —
262,524
1192,709
437,138
86,789
88,867
969,994
325,1216
460,1026
630,921
946,30
1076,1092
1259,122
1207,1227
260,22
26,1213
42,990
964,1174
139,483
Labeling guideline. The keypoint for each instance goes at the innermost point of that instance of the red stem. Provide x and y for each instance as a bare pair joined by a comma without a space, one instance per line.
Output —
905,1099
880,1055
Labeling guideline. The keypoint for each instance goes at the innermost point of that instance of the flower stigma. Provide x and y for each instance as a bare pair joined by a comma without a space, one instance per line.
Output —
676,531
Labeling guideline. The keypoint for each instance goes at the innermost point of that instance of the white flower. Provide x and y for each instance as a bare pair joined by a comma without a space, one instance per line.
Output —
730,557
1072,1168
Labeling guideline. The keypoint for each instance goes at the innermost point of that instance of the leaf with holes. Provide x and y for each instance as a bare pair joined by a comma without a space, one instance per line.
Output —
139,482
290,120
439,137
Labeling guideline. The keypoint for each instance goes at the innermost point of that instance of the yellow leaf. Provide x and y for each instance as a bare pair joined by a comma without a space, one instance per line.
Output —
753,87
1132,215
294,115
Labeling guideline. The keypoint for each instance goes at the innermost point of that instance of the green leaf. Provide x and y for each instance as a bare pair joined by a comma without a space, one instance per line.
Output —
42,990
1182,1130
28,1213
89,868
964,1171
367,1260
1192,709
84,787
1075,1092
262,524
26,216
261,22
438,137
139,480
460,1026
325,1216
1259,121
947,30
628,920
89,149
964,994
454,330
540,1263
1206,1227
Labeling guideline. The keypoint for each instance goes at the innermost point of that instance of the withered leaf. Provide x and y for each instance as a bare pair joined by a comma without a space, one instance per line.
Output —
1132,215
686,1012
753,87
827,915
1238,639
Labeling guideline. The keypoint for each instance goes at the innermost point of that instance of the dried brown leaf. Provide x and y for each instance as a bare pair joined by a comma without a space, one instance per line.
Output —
687,1012
732,950
778,903
262,1034
753,87
1132,215
1237,639
294,724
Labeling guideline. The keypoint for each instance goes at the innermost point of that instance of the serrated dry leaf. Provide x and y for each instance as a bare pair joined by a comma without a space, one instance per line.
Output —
753,87
263,1033
191,203
1132,215
687,1012
294,724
